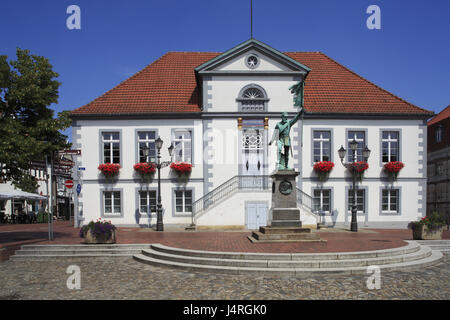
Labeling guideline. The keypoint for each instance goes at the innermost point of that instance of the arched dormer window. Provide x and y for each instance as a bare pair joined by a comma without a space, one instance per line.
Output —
252,98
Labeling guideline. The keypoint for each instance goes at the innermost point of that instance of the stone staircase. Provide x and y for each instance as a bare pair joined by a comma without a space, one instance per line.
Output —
33,252
441,245
288,234
410,256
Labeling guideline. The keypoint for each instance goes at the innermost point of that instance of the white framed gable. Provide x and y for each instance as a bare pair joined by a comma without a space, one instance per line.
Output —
235,61
261,62
251,65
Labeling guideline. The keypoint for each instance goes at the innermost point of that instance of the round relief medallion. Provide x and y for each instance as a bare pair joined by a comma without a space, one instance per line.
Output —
285,187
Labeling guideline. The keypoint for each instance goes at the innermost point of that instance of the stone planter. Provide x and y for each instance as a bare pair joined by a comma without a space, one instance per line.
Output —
423,233
90,238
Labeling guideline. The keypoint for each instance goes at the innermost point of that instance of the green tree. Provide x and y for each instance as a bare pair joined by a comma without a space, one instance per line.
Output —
28,129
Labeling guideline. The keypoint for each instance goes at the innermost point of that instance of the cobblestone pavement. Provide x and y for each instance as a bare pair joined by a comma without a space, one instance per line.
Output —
124,278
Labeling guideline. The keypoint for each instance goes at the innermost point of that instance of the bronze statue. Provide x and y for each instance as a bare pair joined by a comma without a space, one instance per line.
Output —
282,129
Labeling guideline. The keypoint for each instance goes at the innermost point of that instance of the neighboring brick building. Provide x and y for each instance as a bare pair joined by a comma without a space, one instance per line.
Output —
438,197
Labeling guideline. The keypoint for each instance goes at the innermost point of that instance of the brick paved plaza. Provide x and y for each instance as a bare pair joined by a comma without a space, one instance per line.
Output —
125,278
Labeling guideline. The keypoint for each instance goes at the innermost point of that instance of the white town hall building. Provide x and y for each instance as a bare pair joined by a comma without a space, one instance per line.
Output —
219,111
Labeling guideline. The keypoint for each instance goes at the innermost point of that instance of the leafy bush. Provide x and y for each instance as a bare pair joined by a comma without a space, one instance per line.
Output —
99,229
433,221
42,217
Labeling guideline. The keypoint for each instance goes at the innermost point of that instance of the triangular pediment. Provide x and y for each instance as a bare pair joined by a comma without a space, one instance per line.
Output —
252,56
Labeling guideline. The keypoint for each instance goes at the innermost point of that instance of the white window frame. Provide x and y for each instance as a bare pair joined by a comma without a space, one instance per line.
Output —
320,200
389,140
147,141
111,143
183,200
185,157
148,205
389,201
321,141
350,202
113,197
359,153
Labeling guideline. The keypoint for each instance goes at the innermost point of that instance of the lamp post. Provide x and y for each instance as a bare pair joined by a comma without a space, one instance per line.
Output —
158,143
366,154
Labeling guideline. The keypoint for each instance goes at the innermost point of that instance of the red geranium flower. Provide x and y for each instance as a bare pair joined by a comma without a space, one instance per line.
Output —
394,166
145,168
359,166
323,166
109,169
181,167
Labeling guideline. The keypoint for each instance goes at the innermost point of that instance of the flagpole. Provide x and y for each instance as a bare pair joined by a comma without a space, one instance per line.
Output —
251,19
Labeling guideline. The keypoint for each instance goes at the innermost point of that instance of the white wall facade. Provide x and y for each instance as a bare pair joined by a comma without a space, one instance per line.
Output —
217,154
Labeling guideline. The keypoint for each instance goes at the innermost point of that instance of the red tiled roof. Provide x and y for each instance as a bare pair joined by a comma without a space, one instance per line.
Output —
444,114
169,85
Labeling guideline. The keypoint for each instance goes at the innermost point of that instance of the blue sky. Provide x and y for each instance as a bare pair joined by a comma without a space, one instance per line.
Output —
409,56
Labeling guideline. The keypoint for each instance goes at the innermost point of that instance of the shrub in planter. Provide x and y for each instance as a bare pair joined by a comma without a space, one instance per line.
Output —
393,168
428,228
323,169
109,170
98,232
145,170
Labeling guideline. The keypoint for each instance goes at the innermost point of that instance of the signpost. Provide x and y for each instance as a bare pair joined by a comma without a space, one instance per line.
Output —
69,184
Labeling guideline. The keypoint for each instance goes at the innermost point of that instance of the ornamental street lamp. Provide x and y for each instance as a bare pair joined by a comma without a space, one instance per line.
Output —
366,154
159,165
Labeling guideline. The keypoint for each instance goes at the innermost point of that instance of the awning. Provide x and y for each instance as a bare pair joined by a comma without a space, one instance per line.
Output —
7,191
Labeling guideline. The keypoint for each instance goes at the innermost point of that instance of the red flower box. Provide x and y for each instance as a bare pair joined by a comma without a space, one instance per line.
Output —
109,169
181,167
358,167
145,168
394,166
323,166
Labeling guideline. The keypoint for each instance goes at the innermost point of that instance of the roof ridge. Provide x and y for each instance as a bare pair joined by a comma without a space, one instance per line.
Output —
378,87
118,85
439,117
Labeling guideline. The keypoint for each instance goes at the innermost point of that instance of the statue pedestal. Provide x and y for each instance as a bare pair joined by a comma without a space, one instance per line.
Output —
284,224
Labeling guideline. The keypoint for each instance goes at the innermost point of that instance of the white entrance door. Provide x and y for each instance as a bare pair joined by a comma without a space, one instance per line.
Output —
256,215
252,155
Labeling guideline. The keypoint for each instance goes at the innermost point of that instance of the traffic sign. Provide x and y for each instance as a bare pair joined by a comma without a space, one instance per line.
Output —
72,152
69,184
78,188
81,168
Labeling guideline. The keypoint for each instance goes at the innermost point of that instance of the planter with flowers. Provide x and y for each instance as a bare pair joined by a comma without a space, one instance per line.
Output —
428,228
323,169
109,170
100,231
145,170
358,168
182,169
393,168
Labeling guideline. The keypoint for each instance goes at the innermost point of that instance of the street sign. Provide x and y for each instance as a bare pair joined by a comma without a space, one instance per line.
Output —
64,163
78,188
81,168
72,152
69,184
